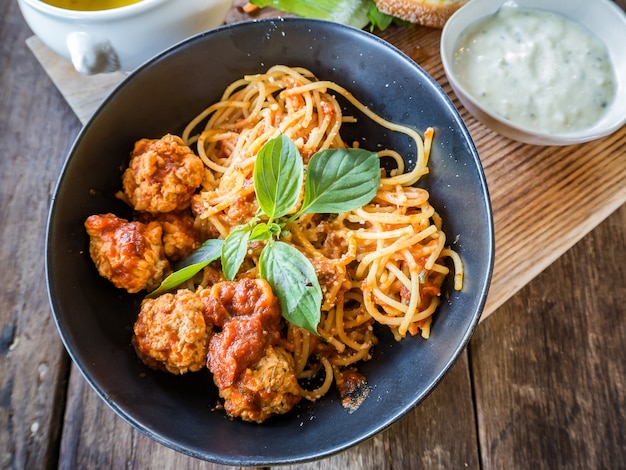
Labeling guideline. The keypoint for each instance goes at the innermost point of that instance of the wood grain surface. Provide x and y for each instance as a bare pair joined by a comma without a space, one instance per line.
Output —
541,386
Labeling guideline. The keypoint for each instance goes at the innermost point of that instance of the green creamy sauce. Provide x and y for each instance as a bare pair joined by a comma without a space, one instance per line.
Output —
536,69
89,5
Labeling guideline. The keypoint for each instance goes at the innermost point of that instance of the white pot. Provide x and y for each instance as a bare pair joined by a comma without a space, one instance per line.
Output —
120,38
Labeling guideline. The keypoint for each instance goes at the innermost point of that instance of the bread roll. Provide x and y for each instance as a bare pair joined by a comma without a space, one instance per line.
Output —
433,13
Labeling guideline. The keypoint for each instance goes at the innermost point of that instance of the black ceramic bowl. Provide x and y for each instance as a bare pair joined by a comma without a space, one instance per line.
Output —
95,319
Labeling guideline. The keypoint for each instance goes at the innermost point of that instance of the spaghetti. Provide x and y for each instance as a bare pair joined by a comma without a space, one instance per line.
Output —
384,262
381,263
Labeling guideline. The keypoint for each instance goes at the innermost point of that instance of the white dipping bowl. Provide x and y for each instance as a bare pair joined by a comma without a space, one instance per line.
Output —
603,18
120,38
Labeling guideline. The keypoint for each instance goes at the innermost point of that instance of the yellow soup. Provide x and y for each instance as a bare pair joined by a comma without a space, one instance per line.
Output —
89,5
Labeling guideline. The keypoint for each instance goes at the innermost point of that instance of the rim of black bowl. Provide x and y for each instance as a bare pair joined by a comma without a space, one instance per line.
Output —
338,443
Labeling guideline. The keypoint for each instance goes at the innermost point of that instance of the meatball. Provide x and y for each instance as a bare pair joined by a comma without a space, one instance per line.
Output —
162,175
129,254
180,237
250,314
267,388
171,334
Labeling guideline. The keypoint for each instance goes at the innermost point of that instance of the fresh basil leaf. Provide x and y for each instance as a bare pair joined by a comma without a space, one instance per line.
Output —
340,180
275,230
260,232
234,250
293,280
278,175
208,252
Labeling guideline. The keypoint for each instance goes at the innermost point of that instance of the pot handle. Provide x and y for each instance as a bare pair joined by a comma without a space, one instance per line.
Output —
91,56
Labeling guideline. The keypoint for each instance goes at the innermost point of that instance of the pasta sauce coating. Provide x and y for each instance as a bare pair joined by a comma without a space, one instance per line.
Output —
267,388
129,254
253,323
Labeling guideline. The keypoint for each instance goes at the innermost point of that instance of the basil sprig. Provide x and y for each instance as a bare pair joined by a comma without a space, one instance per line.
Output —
208,252
337,180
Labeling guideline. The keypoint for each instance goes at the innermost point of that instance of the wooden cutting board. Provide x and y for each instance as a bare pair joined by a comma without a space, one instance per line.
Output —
544,199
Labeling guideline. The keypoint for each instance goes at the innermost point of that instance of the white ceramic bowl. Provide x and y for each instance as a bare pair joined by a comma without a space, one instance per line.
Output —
602,17
121,38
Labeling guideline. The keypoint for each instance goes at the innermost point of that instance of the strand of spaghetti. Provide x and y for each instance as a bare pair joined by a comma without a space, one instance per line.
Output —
311,101
301,349
399,274
381,318
368,285
440,241
394,247
389,280
360,106
421,160
315,136
403,196
424,325
458,267
434,303
318,393
230,89
200,117
383,298
429,134
290,127
395,219
377,235
346,360
333,139
327,330
374,312
223,197
213,136
308,248
227,116
420,169
339,325
414,299
440,268
358,320
261,92
406,179
397,158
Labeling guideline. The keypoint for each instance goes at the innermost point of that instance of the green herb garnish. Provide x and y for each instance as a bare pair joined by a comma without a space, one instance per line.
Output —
337,180
190,266
357,13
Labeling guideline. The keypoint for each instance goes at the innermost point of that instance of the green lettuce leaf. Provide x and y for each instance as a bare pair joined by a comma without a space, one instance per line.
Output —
348,12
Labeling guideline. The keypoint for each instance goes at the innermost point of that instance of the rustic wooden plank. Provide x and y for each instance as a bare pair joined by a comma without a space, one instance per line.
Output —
94,437
439,433
550,367
36,134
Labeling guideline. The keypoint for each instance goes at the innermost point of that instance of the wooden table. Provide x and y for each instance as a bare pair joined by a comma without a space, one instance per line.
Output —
542,384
